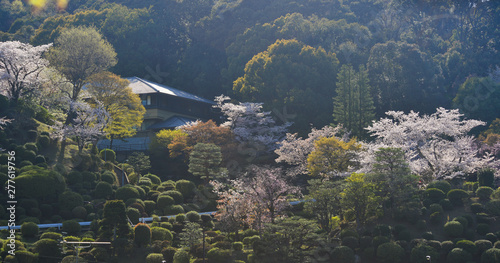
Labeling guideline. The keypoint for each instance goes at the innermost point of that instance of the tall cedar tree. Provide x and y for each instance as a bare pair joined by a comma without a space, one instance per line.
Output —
353,105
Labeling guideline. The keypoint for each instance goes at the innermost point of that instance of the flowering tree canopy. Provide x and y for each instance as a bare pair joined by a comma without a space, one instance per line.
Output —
250,125
255,200
21,66
294,151
435,145
89,124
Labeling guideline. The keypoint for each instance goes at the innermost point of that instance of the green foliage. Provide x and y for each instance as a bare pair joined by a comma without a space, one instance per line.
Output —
154,178
124,193
68,200
29,229
186,188
103,190
133,214
108,177
140,162
237,246
193,216
358,198
51,235
457,196
419,253
160,233
491,255
39,183
216,255
343,254
351,242
176,195
164,201
26,257
482,245
181,256
379,240
462,220
174,210
332,156
142,235
390,252
493,207
204,161
453,229
468,246
154,258
46,249
444,186
108,155
71,227
458,255
482,228
484,192
434,194
43,141
353,105
486,177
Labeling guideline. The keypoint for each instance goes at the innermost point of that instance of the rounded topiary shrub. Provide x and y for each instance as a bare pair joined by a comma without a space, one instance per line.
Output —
164,201
142,235
43,141
457,196
103,190
47,248
133,214
446,204
40,159
343,254
108,155
24,256
153,178
51,235
433,208
491,255
124,193
173,210
168,253
79,212
491,237
462,220
436,218
420,253
29,229
458,255
180,218
217,255
186,188
483,245
348,233
444,186
193,216
434,195
176,195
160,233
453,229
467,245
390,252
108,177
144,181
72,227
154,258
351,242
484,192
379,240
181,256
237,246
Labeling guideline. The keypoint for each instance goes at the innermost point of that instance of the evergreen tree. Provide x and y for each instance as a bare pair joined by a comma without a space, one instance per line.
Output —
353,105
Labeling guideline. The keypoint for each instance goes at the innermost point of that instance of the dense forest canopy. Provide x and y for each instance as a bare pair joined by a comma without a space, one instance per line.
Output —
417,54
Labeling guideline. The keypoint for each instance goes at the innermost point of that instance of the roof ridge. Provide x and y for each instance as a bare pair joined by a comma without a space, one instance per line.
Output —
147,83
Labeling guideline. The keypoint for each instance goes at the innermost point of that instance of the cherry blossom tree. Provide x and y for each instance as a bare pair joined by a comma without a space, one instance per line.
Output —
21,67
250,125
436,145
294,151
258,198
88,126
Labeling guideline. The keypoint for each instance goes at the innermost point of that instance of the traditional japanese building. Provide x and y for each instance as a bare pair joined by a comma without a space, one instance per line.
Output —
166,108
